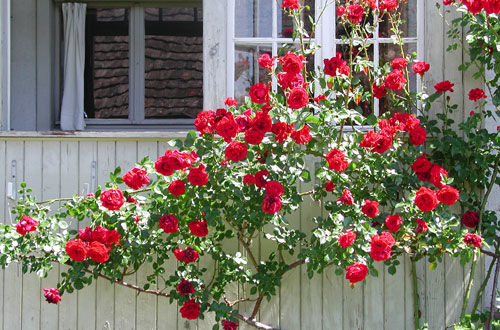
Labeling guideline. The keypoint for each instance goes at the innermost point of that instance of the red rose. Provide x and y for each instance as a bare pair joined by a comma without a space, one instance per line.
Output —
51,295
491,6
136,178
370,208
205,122
301,136
346,239
435,175
447,2
298,98
470,219
292,63
98,234
169,223
248,179
329,186
421,164
355,13
254,136
179,254
230,102
421,226
417,136
271,204
260,181
229,325
190,255
112,238
112,199
420,67
473,6
198,176
190,310
281,130
336,160
389,5
259,93
25,225
198,228
262,121
472,239
227,127
185,287
426,199
290,80
393,222
376,141
447,195
476,94
381,246
318,98
98,252
333,64
399,62
346,197
395,80
444,86
177,187
379,91
356,272
236,151
266,61
274,188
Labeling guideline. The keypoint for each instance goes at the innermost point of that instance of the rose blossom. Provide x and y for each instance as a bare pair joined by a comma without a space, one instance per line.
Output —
435,175
444,86
249,179
370,208
169,223
395,80
112,199
336,160
417,136
329,186
25,225
346,197
290,80
260,181
346,239
420,67
333,64
381,246
51,295
236,151
259,93
290,4
377,142
274,188
355,13
76,249
281,129
297,98
301,136
379,91
177,187
356,272
136,178
230,102
198,176
292,63
227,127
205,122
254,136
473,6
447,195
229,325
398,62
389,5
98,252
476,94
491,6
473,239
470,219
426,199
421,164
266,61
188,255
393,222
198,228
421,226
271,204
185,287
190,310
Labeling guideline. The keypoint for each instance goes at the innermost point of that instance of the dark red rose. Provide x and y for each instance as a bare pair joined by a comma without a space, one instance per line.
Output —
229,325
177,187
227,127
472,239
179,254
274,188
417,136
379,91
346,197
355,13
336,160
259,93
420,67
254,136
136,178
333,64
292,63
381,246
281,130
399,62
346,239
230,102
421,226
98,252
185,287
248,179
236,151
395,80
25,225
271,204
198,228
266,61
356,272
290,4
393,222
329,186
198,176
444,86
51,295
76,249
169,223
205,122
262,121
189,255
112,199
370,208
447,195
470,219
426,199
435,175
298,98
260,181
476,94
190,310
421,164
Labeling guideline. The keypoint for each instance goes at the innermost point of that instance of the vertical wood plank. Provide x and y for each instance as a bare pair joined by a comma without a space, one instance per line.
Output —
421,267
270,311
3,219
353,305
394,304
408,294
105,291
13,276
86,318
454,289
125,298
435,294
68,307
31,282
374,296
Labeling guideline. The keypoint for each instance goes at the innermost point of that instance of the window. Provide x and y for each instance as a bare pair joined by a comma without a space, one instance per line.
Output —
143,66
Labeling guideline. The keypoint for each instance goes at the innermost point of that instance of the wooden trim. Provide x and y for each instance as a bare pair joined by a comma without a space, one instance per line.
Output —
128,3
95,135
5,65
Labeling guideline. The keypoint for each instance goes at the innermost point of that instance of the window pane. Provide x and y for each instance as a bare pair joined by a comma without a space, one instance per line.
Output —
174,62
253,18
408,12
285,22
247,71
107,63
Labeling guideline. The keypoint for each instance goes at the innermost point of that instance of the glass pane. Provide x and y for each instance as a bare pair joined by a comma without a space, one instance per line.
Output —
247,71
107,63
173,63
408,12
285,22
253,18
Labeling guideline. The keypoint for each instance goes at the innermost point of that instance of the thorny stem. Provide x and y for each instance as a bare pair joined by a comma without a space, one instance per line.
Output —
257,306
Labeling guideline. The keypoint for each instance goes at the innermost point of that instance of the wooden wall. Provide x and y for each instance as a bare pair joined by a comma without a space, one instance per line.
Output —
54,166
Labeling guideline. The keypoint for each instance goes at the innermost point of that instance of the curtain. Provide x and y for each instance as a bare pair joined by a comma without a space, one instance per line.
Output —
72,117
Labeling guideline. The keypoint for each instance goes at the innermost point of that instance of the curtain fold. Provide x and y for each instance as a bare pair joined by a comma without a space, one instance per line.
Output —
72,107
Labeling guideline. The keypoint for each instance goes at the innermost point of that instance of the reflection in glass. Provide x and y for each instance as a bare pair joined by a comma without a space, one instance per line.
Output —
408,11
253,18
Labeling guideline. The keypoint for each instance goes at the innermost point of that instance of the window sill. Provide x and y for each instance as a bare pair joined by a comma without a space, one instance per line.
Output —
96,135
